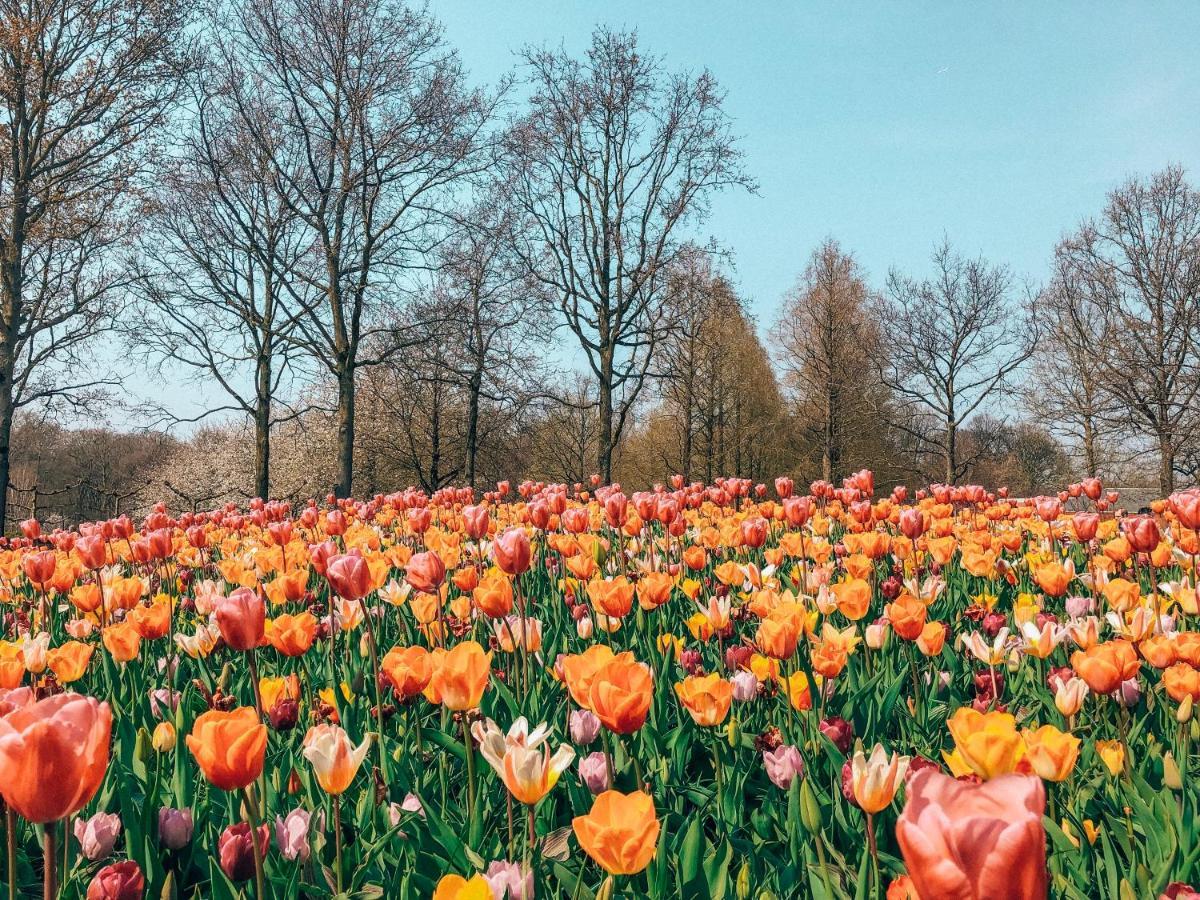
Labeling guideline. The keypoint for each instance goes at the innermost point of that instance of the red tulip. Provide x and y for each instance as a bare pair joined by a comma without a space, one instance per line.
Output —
425,572
1186,506
349,575
475,520
973,841
511,549
1142,532
237,852
1085,525
119,881
912,523
242,619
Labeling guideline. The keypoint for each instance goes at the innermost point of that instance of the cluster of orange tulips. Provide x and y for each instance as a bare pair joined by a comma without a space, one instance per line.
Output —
727,690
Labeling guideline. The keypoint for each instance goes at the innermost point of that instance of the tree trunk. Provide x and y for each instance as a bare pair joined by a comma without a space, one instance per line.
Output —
6,421
472,427
1166,468
1089,447
262,427
605,449
951,452
345,482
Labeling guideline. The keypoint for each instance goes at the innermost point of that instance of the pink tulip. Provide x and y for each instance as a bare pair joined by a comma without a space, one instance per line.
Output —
98,835
783,764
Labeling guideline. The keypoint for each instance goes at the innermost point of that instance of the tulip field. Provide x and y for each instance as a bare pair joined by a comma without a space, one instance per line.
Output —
698,691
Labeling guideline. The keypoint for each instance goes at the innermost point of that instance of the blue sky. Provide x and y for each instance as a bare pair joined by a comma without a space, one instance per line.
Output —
886,125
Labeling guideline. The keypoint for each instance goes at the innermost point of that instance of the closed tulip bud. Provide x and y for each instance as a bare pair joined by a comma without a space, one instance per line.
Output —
292,834
810,808
839,731
584,627
584,726
237,853
174,827
284,715
509,880
1183,712
783,764
164,737
745,686
119,881
1171,776
875,635
593,771
1130,692
98,835
242,619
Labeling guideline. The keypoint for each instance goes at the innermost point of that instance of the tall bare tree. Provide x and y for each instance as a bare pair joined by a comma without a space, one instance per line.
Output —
953,341
614,158
84,86
1137,267
217,266
826,341
1066,389
376,129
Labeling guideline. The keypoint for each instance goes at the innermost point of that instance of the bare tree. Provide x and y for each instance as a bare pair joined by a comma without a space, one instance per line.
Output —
376,129
1138,268
954,341
493,310
84,84
613,159
826,341
1067,390
218,266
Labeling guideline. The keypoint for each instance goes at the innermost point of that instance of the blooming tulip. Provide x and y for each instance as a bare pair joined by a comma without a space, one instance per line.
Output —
462,675
229,747
53,755
334,758
783,764
876,778
118,881
620,833
974,841
526,767
242,619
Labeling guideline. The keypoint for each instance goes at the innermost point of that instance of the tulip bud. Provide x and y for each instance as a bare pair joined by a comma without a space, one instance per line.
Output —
584,726
783,765
142,747
1183,713
291,834
237,853
164,737
593,771
174,827
745,686
810,808
606,889
98,835
1171,776
742,886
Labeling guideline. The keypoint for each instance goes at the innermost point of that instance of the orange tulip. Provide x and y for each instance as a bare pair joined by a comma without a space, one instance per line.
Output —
494,595
122,641
777,637
229,747
70,661
611,597
620,833
620,694
1106,665
853,598
654,589
579,670
462,676
53,755
974,841
291,635
907,616
151,622
408,669
706,698
1181,681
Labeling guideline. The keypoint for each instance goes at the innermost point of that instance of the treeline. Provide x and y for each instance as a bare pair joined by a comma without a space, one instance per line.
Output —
388,275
